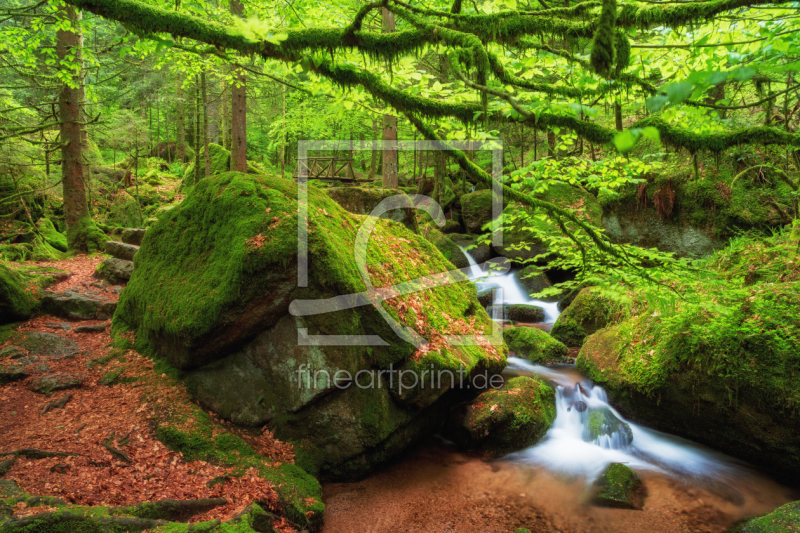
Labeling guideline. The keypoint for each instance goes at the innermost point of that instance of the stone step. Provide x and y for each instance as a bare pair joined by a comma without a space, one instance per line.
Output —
115,270
77,305
121,250
133,235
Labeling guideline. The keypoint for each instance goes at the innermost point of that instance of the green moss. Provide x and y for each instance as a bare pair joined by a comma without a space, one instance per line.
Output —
86,236
15,302
510,418
784,519
220,160
720,368
448,248
619,487
589,312
51,235
535,345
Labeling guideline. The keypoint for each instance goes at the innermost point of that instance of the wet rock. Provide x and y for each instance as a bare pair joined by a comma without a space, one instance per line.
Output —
48,344
486,295
11,352
92,328
589,312
619,486
133,236
784,519
56,382
449,249
535,345
115,270
476,209
604,425
507,419
120,250
534,282
11,373
524,313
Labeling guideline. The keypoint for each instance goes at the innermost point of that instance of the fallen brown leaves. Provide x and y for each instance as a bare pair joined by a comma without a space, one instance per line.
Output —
122,417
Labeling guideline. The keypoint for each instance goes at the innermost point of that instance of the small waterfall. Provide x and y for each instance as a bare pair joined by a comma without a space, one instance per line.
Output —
512,291
572,446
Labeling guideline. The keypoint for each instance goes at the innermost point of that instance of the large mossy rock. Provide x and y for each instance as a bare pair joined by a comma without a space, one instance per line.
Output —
362,201
450,250
476,210
51,235
534,282
504,420
723,373
784,519
220,161
211,291
619,486
522,228
589,312
15,302
535,345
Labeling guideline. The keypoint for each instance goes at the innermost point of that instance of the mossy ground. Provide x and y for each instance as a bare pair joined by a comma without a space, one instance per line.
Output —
784,519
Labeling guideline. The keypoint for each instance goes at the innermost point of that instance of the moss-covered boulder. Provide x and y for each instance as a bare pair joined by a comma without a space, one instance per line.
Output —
15,302
211,293
362,201
619,486
535,345
722,372
534,282
504,420
219,157
784,519
476,210
590,311
448,248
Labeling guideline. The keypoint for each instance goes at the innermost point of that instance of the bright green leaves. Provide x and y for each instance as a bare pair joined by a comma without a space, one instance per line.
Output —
256,30
626,140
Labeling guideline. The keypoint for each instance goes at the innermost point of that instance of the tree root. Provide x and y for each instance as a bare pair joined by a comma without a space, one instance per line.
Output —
33,453
56,404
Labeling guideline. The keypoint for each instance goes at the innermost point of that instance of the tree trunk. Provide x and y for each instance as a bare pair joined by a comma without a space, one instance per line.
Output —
283,131
81,231
373,165
238,110
389,123
715,95
618,116
204,90
551,143
197,120
181,122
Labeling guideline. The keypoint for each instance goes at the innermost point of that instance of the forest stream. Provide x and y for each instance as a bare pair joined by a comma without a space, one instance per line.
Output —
548,486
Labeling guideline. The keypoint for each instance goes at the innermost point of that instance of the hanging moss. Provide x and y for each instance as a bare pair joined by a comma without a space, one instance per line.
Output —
603,49
622,47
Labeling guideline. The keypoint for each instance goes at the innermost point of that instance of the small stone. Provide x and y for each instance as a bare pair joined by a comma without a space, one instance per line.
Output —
48,344
55,382
525,313
12,352
619,487
11,373
106,310
113,377
92,328
115,270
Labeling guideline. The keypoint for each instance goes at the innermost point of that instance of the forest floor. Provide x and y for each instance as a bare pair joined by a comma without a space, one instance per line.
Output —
106,433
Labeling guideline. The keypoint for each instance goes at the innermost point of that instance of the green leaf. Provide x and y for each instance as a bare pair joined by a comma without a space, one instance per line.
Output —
625,141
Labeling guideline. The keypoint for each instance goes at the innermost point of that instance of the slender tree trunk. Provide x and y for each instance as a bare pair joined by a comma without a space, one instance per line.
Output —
389,123
69,42
204,90
373,165
618,116
551,143
197,120
283,131
238,110
181,122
